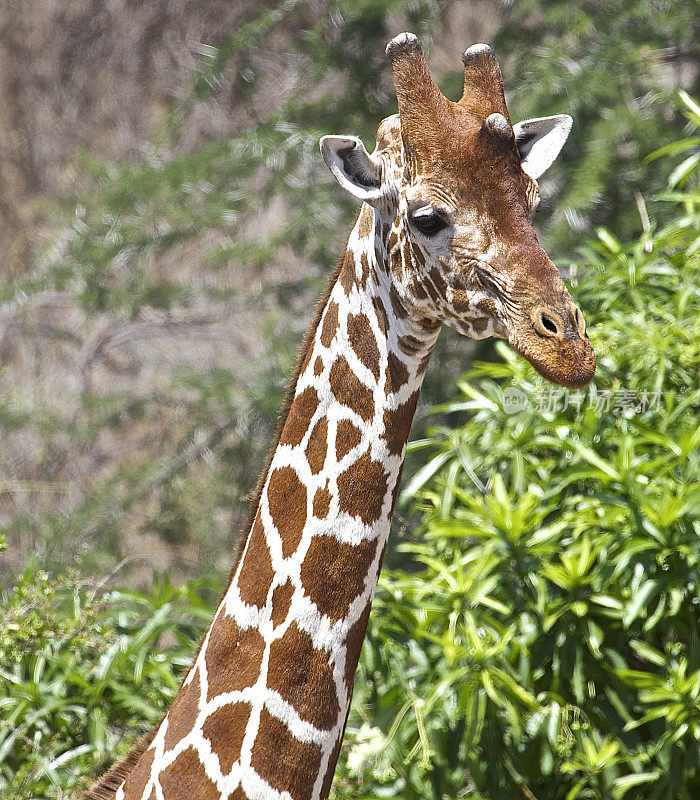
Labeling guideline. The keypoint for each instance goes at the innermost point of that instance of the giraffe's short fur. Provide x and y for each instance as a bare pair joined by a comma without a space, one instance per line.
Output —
261,714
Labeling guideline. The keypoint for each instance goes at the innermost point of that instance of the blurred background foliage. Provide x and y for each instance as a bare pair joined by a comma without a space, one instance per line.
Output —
167,225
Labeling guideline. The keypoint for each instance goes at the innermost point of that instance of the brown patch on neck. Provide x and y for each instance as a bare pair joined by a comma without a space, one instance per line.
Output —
138,778
397,425
355,638
186,777
330,324
255,577
363,342
397,486
303,676
299,417
183,713
334,573
286,497
279,758
318,446
398,373
233,656
225,729
346,276
362,489
281,602
348,436
322,503
350,391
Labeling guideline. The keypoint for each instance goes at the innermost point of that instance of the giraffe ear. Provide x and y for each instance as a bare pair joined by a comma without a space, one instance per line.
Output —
353,167
540,140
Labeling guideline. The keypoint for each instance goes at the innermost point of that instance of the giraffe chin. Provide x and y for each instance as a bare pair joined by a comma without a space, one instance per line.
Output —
569,364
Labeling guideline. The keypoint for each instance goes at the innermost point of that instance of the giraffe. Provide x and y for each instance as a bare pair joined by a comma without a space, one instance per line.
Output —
444,235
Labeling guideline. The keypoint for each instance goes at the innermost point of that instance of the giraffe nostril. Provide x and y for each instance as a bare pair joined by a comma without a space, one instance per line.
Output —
548,323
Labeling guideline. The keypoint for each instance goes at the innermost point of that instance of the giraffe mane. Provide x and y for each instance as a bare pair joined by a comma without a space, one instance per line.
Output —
107,785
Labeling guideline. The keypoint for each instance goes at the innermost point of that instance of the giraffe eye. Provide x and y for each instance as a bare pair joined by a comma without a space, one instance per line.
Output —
429,224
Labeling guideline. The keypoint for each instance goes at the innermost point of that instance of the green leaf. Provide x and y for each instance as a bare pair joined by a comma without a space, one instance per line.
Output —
624,783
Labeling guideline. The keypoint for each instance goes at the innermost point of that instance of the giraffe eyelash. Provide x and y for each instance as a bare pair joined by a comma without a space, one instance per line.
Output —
532,195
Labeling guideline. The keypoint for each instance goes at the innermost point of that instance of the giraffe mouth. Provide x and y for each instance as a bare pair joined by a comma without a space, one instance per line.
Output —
566,361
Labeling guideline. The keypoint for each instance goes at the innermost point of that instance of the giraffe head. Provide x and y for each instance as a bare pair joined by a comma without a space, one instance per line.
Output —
454,185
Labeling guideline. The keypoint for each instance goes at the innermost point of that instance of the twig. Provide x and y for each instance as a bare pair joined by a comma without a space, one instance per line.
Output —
526,792
108,577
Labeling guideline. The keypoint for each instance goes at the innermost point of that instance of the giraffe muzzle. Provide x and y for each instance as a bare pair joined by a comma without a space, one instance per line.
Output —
554,341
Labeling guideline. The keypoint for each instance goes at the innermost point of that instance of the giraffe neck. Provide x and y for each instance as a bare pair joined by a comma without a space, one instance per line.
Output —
261,714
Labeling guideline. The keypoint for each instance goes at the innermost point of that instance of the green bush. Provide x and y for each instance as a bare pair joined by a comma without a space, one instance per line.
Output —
543,640
82,675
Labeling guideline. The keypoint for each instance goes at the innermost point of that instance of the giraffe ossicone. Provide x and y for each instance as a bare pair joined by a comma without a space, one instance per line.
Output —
444,236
